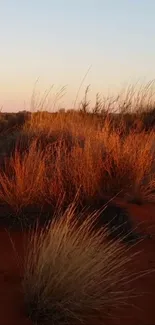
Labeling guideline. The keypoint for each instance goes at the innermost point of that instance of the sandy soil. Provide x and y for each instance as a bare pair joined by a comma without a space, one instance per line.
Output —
11,298
140,311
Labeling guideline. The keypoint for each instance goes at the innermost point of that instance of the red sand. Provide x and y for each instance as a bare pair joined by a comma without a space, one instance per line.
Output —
11,299
142,312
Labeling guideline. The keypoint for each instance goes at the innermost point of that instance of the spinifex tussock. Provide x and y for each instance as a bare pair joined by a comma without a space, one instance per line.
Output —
73,274
22,181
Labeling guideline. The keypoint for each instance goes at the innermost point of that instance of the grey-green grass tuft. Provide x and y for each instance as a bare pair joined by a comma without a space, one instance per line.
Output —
72,273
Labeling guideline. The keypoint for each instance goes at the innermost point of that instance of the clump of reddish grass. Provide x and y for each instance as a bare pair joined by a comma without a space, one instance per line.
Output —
22,181
96,153
72,274
108,164
129,164
102,166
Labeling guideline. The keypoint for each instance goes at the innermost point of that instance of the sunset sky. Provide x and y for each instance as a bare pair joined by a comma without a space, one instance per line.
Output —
57,41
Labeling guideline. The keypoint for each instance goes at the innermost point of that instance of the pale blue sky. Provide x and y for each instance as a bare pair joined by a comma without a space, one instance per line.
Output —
58,40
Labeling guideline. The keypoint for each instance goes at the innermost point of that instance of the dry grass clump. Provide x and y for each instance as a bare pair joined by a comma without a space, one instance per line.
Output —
103,165
106,165
106,155
73,274
129,164
99,154
22,181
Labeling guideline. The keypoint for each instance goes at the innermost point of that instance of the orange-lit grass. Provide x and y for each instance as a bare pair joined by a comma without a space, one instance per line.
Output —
22,181
103,164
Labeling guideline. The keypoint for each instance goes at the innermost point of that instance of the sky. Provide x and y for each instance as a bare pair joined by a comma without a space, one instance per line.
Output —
58,42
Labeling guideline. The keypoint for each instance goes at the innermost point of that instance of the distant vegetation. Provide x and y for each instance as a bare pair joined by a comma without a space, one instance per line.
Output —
74,271
96,152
